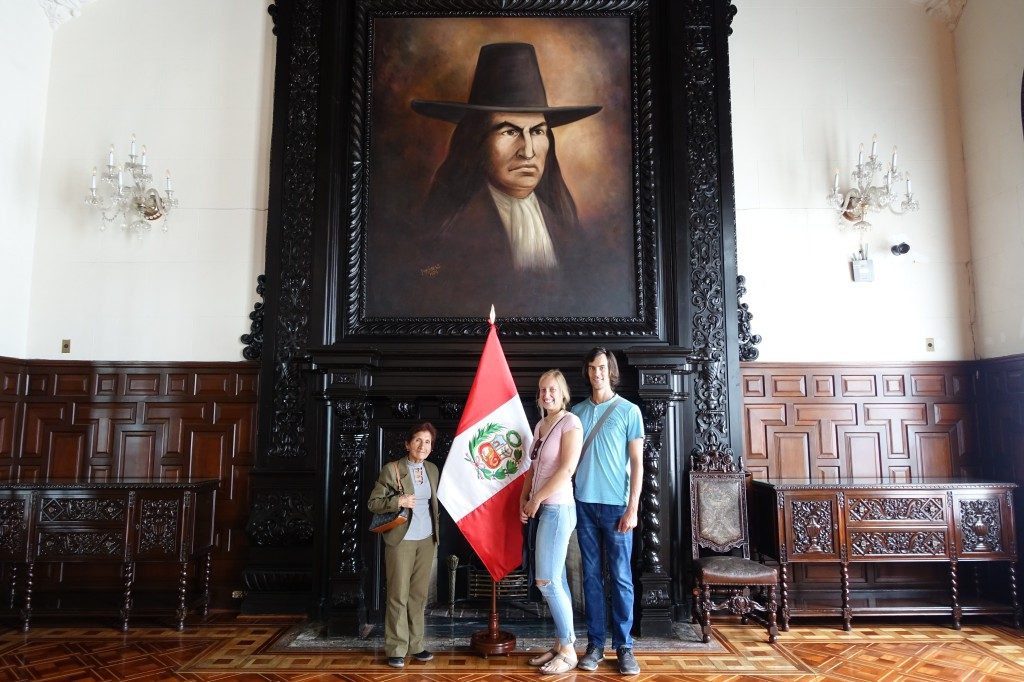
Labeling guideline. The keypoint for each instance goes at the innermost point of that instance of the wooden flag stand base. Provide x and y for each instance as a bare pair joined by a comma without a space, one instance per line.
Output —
492,640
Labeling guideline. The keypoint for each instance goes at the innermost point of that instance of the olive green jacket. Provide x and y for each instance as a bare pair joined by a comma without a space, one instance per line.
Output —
384,497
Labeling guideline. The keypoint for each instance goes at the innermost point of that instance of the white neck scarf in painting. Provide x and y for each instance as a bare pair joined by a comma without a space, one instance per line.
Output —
527,234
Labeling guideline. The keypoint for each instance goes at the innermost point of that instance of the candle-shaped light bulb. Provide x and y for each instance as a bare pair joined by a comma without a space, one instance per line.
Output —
133,144
894,157
110,156
860,155
910,188
874,144
120,180
93,185
168,185
143,155
835,180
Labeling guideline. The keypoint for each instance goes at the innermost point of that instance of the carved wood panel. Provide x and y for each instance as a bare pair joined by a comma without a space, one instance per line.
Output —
832,421
169,421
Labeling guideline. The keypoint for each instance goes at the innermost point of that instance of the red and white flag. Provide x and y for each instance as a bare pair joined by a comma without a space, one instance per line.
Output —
483,475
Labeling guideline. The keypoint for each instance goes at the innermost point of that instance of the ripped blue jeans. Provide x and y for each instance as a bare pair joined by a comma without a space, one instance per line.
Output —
555,523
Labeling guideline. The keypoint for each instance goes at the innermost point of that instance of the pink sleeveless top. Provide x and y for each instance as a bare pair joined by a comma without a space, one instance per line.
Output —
549,456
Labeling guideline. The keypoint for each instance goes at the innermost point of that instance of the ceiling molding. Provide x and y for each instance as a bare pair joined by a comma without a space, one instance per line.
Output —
60,11
946,11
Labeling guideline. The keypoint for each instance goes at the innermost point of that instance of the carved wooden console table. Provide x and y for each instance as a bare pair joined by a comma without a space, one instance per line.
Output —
870,520
123,521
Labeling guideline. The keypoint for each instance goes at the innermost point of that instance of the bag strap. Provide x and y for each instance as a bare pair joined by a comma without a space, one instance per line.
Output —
533,483
398,477
597,427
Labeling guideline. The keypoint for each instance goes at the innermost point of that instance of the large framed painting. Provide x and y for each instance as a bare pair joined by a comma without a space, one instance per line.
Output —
500,157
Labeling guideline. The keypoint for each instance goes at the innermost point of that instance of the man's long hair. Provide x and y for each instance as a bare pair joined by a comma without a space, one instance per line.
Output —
463,173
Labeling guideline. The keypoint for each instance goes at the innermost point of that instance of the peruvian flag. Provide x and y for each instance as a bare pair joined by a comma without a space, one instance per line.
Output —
483,475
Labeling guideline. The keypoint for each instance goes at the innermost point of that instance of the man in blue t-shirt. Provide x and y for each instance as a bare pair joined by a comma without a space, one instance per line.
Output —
608,482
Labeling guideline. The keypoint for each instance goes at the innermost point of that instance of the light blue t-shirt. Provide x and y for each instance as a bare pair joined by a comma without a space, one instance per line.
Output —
603,473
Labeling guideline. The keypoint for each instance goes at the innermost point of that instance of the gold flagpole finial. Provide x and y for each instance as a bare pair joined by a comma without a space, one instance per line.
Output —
490,318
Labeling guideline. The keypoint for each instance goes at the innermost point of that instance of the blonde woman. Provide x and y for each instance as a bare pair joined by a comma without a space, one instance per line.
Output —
548,497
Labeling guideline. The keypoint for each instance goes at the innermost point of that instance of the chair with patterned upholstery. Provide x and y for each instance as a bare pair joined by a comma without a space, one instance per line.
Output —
718,516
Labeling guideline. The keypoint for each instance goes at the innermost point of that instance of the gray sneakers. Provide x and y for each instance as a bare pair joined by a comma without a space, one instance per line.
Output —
590,659
627,661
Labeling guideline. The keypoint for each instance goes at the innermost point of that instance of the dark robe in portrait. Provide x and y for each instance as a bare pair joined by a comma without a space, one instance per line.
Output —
467,265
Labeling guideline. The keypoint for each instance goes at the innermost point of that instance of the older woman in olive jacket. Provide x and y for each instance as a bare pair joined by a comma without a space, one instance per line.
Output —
410,548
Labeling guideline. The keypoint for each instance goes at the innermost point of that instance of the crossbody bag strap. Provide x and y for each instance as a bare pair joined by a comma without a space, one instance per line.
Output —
398,477
597,427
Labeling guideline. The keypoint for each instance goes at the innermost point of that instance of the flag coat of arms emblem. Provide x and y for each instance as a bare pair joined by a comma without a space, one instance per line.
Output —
483,475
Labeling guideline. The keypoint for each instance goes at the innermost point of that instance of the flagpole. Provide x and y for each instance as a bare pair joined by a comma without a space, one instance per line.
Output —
493,640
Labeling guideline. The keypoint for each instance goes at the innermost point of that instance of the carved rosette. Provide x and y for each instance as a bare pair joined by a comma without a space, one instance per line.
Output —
748,340
292,290
254,339
709,315
158,526
650,493
71,509
887,543
812,527
280,518
897,509
353,437
980,528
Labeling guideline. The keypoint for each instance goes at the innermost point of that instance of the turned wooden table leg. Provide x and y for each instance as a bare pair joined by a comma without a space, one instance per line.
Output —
1014,600
773,605
784,581
207,574
126,606
14,585
954,591
844,575
182,610
26,610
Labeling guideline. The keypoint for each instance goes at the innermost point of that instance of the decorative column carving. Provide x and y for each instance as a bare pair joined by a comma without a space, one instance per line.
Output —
661,375
347,606
748,340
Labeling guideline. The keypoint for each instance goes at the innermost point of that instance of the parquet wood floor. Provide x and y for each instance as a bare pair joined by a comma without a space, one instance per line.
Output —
233,649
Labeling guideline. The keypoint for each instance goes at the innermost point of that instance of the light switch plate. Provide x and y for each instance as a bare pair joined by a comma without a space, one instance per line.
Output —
65,346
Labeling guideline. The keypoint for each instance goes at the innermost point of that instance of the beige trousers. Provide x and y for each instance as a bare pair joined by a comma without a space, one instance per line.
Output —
407,571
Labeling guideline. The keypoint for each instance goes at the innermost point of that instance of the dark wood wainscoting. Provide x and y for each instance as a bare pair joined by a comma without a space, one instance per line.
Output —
828,421
1000,389
876,420
165,420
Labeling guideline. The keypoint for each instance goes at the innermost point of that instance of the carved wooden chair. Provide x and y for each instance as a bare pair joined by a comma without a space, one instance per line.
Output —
718,516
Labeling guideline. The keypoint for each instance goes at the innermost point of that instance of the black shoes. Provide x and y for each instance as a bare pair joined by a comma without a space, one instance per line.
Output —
424,656
627,661
590,659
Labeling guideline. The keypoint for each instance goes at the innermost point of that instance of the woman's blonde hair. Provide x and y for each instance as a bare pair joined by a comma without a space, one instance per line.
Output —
559,378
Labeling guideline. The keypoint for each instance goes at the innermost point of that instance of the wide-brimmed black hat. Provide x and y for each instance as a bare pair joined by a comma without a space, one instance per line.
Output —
507,78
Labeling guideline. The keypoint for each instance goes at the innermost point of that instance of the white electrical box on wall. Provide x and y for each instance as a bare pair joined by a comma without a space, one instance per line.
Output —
863,270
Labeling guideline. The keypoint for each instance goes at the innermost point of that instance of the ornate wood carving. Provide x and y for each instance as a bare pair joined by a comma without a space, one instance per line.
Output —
12,526
254,339
747,339
980,528
63,509
812,527
650,494
158,526
290,281
353,437
53,544
897,509
281,518
881,543
709,311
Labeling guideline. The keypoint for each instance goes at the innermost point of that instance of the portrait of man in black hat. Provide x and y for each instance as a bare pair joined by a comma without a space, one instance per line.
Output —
471,204
500,189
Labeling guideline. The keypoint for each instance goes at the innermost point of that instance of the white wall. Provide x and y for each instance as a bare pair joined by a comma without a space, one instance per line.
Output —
990,61
25,38
193,80
811,80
